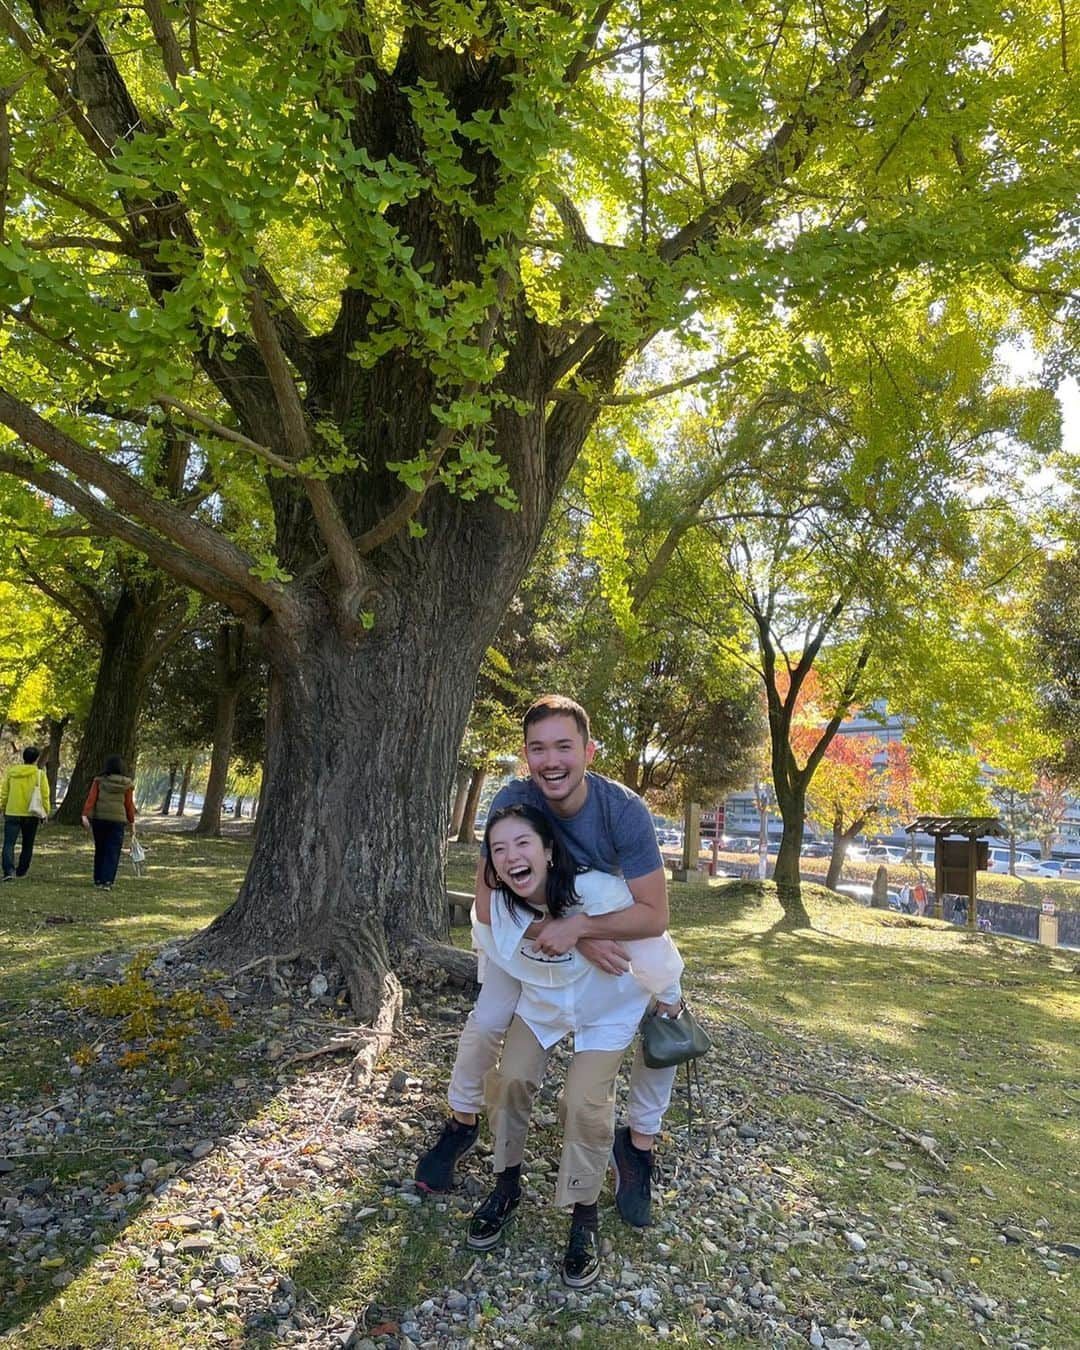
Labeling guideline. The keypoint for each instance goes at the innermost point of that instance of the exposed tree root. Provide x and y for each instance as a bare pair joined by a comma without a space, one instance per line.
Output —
459,965
274,959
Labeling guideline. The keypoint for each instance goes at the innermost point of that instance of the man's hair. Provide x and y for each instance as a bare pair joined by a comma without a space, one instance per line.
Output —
30,754
556,705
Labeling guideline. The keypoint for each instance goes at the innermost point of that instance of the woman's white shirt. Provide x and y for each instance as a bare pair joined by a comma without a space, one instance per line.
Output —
568,993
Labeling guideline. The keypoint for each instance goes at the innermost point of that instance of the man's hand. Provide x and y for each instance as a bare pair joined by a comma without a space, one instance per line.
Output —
557,936
606,954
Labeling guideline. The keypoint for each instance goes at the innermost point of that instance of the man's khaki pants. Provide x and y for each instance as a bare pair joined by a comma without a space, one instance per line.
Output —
586,1111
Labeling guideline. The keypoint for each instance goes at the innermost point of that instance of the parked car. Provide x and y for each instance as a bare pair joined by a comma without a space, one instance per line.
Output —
1027,865
887,853
817,848
742,844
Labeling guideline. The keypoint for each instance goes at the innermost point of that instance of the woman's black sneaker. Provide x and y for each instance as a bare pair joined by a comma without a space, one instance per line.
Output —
581,1264
633,1179
490,1219
435,1170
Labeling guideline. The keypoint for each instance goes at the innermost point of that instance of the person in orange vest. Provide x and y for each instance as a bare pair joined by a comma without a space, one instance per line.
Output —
108,809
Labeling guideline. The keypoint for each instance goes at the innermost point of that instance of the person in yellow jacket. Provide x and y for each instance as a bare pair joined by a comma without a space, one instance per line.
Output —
16,792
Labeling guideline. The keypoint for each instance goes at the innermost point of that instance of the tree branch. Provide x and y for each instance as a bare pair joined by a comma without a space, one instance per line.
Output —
191,571
658,391
171,55
335,534
203,546
743,200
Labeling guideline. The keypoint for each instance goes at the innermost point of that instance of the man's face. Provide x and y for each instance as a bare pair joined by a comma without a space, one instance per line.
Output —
557,757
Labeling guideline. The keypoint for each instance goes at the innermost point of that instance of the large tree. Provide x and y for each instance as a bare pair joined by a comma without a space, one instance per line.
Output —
348,249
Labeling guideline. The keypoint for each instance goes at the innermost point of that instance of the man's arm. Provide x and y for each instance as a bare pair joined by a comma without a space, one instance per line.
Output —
646,917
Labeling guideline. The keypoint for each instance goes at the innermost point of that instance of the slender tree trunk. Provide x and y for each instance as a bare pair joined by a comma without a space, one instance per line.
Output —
110,726
461,792
166,801
185,784
467,828
56,726
229,656
791,801
841,843
238,808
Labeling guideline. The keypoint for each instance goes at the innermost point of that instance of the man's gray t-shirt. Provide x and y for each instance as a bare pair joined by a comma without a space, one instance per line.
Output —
612,832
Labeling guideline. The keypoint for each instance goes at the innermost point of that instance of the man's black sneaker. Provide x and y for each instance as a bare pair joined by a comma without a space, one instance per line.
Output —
633,1179
581,1264
490,1219
435,1170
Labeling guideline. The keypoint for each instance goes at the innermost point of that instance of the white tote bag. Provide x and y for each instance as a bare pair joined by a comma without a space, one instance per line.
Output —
37,806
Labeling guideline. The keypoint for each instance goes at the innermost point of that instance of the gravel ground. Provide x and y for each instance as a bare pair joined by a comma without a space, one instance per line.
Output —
170,1177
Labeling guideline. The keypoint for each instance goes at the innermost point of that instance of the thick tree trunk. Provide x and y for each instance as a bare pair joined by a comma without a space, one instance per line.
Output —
362,745
110,726
229,653
461,792
467,827
166,801
185,784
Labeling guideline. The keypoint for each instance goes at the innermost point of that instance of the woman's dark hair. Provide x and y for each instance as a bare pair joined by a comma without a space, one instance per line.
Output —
560,884
114,764
31,754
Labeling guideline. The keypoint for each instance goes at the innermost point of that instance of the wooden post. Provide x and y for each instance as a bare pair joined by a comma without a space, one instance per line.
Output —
691,845
1048,925
973,864
939,878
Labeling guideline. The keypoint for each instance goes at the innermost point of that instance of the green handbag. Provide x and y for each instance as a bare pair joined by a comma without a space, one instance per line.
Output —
666,1041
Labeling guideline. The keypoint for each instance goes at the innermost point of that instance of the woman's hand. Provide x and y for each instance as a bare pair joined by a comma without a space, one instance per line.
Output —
557,936
669,1009
86,822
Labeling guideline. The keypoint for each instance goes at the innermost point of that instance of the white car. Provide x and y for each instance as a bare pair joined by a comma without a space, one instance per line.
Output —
886,853
1027,865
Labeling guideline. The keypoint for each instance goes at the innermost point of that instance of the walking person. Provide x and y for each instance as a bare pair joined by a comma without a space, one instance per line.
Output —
534,879
24,800
607,827
109,808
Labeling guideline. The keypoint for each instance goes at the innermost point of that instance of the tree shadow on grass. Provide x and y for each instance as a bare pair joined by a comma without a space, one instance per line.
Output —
91,1153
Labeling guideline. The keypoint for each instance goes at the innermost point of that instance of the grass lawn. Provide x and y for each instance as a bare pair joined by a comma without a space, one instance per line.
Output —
971,1040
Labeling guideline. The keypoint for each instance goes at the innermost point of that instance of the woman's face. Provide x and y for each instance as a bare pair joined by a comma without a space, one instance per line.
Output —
519,857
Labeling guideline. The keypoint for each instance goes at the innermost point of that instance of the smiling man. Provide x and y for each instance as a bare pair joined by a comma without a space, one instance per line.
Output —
605,826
